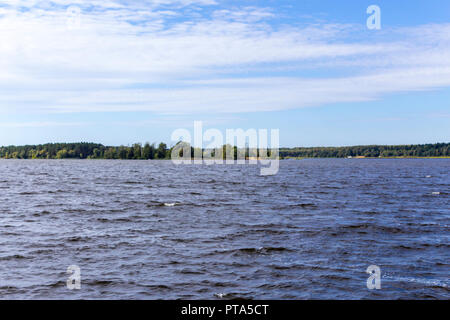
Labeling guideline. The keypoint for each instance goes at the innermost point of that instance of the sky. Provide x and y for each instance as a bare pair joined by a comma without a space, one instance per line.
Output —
121,71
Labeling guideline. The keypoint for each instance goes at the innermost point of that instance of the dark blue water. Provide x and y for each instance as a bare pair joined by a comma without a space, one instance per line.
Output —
153,230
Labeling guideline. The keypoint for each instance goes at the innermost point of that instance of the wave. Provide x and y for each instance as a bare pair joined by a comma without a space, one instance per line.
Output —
260,250
161,204
169,204
427,282
365,227
14,257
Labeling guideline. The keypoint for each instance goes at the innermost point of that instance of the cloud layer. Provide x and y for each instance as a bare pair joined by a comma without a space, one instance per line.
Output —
187,56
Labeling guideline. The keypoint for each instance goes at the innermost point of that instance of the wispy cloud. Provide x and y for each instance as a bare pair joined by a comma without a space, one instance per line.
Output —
170,56
42,124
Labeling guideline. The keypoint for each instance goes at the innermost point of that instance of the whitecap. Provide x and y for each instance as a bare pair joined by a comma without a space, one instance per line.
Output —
169,204
436,193
426,282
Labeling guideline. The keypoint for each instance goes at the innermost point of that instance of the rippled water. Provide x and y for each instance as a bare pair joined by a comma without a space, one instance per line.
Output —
153,230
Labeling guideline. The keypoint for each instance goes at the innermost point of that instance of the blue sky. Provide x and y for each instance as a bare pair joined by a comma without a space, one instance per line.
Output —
119,72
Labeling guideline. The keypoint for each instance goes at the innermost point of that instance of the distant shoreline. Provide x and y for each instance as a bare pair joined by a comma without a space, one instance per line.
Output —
281,159
370,158
137,151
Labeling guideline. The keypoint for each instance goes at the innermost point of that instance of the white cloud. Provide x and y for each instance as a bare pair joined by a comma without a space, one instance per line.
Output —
36,124
199,63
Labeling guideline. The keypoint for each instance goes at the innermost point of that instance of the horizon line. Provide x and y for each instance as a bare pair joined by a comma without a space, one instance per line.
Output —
154,143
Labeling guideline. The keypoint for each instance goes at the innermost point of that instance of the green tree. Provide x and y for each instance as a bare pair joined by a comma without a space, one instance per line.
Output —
110,153
148,152
122,153
161,152
62,154
137,151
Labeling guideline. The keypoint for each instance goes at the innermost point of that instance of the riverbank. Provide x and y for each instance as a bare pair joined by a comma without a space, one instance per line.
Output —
149,151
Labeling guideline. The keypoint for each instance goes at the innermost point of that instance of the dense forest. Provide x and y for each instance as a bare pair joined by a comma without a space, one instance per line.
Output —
374,151
149,151
85,151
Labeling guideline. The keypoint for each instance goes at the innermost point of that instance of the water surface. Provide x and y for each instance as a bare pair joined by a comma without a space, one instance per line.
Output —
153,230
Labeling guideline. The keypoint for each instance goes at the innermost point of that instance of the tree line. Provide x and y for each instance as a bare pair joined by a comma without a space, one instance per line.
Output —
137,151
85,150
371,151
149,151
